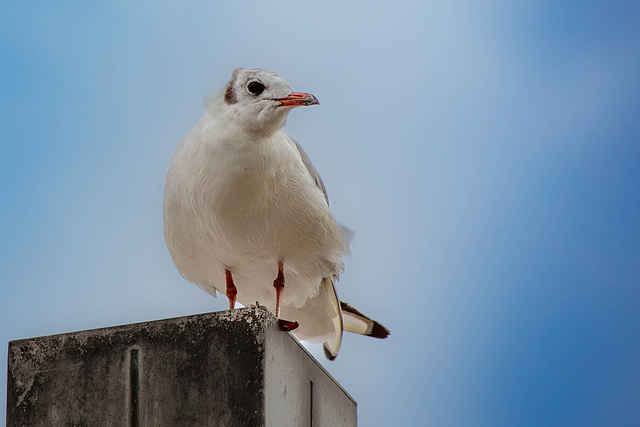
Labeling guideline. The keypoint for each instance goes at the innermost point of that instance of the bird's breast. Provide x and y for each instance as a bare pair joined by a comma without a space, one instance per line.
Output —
255,201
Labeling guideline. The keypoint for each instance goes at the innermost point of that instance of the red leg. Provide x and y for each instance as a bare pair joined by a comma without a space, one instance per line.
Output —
279,285
232,291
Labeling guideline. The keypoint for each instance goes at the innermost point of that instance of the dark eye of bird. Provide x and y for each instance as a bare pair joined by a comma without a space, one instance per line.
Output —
255,88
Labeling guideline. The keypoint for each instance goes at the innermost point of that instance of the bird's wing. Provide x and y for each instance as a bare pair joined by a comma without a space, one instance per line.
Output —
354,321
332,344
312,171
346,231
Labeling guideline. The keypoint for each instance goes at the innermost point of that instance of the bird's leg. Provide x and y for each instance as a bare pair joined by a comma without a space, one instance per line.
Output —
279,285
286,325
232,291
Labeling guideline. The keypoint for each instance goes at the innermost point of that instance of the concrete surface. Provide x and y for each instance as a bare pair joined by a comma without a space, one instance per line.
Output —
232,368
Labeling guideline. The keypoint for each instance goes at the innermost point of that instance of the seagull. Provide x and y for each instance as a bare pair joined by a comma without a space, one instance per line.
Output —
247,214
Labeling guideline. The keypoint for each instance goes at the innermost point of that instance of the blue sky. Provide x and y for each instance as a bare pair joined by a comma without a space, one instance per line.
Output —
486,154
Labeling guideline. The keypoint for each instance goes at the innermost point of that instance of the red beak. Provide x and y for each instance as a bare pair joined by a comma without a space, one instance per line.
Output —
297,98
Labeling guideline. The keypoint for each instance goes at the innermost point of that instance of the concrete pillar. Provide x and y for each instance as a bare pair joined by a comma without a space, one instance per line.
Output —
232,368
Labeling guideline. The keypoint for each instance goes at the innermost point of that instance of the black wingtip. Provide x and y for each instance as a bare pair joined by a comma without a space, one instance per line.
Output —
379,331
328,354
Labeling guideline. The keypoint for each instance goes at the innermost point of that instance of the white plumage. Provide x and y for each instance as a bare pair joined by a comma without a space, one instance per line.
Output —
241,196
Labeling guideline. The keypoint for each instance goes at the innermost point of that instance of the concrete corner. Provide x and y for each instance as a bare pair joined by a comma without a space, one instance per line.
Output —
232,368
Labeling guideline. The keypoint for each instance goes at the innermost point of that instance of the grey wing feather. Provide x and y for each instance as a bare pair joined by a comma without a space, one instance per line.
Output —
312,171
346,231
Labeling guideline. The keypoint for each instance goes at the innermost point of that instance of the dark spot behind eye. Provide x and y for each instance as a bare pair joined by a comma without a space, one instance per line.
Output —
255,88
230,94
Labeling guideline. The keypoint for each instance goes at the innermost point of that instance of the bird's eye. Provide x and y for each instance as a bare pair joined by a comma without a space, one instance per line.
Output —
255,88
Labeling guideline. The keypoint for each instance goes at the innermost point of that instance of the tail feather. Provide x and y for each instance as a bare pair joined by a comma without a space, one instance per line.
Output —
354,321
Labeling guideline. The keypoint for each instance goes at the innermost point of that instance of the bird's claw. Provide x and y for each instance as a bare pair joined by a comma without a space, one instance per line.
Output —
287,325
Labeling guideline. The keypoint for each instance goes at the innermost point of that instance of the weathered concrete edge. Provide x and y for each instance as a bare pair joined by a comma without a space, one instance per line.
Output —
226,315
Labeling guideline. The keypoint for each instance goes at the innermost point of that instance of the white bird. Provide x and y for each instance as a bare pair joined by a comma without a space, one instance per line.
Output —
246,211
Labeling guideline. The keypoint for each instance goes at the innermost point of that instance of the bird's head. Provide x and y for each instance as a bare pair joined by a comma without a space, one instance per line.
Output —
259,101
